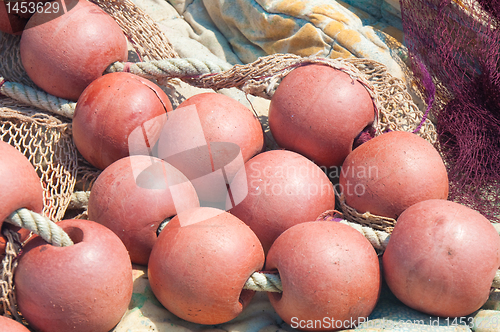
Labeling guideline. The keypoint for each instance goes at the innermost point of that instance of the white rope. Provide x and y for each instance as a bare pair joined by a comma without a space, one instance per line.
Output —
378,239
264,282
37,98
40,225
156,69
79,200
168,68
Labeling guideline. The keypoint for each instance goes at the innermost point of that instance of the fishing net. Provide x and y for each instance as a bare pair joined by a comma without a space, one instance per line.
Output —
46,141
455,53
43,138
44,135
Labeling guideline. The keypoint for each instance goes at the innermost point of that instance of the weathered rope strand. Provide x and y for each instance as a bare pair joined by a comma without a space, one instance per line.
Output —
40,225
378,239
156,69
79,200
264,282
254,78
169,68
37,98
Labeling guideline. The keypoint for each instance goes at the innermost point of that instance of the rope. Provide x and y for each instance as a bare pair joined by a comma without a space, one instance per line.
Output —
378,239
169,68
40,225
37,98
155,69
264,282
254,78
79,200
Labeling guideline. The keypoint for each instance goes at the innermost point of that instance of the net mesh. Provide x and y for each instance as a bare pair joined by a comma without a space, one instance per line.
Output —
458,44
10,60
46,141
143,33
9,262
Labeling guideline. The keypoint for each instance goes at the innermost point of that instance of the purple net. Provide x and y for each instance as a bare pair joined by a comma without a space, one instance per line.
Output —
455,57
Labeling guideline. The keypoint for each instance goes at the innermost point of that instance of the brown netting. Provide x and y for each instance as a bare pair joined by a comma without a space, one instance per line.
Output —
11,67
367,219
396,108
397,111
143,33
46,141
8,304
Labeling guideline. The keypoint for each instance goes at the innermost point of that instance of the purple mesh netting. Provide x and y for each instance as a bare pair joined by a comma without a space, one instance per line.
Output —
458,42
491,6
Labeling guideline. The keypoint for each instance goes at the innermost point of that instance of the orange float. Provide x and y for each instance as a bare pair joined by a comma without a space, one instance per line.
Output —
391,172
320,112
329,273
200,263
20,187
10,325
110,109
83,287
442,258
134,195
209,141
278,189
63,54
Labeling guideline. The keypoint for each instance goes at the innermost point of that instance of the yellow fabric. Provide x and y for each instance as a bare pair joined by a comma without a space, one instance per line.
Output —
324,28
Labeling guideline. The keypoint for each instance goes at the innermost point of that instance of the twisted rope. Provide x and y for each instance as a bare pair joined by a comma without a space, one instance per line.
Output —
264,282
37,98
378,239
258,281
271,282
156,69
257,78
169,68
79,200
40,225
